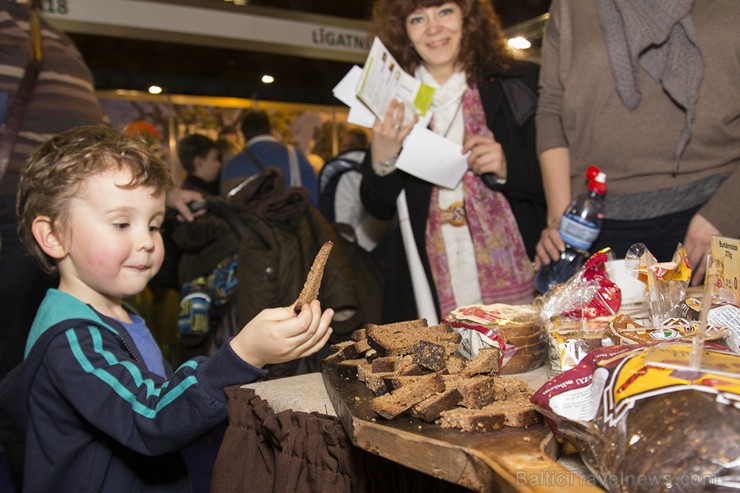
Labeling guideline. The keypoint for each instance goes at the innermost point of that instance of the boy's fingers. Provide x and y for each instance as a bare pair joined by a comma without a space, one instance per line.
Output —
315,343
287,324
305,341
322,342
285,313
299,328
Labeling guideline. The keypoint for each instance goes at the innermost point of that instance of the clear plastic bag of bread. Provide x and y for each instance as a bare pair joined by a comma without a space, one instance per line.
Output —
724,306
515,330
665,282
643,427
590,293
570,340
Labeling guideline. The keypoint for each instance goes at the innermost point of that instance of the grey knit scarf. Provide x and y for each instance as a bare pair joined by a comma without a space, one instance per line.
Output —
659,35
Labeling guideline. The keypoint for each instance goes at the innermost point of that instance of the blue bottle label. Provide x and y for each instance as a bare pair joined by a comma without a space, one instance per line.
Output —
577,232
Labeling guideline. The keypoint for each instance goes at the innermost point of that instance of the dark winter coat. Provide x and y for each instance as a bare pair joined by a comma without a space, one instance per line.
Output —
280,236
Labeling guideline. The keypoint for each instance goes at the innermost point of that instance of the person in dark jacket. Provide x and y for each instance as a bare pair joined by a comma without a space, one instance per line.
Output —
96,404
472,244
199,156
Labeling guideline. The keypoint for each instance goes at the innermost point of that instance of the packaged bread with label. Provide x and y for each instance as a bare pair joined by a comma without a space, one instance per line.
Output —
644,424
570,340
517,330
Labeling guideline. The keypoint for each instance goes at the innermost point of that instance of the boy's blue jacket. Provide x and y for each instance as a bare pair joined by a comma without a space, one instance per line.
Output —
92,416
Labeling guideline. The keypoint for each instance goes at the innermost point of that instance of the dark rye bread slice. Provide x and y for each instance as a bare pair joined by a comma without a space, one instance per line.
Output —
429,409
472,420
410,370
407,375
349,368
343,350
399,338
311,287
512,388
359,334
456,364
363,369
391,363
381,337
385,363
518,412
392,404
477,391
429,355
486,362
395,381
347,350
379,384
362,346
376,382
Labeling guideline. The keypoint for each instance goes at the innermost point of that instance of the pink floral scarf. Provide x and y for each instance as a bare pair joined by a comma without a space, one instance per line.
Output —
505,273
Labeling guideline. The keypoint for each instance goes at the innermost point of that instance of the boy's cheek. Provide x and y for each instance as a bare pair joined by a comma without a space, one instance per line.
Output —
159,259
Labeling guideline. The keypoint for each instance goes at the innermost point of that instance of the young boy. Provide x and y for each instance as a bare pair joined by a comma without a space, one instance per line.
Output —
97,407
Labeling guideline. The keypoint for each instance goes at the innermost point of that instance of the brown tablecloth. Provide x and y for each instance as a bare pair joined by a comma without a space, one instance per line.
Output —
265,451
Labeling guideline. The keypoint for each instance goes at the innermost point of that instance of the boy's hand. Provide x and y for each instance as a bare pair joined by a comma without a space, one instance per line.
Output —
277,335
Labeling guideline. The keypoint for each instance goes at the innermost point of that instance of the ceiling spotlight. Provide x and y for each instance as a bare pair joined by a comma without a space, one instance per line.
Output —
519,43
155,90
268,79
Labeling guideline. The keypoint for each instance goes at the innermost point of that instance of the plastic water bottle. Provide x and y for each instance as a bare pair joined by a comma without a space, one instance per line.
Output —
580,225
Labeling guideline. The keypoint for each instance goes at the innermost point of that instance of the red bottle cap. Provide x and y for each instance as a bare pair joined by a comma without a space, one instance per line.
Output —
598,183
591,173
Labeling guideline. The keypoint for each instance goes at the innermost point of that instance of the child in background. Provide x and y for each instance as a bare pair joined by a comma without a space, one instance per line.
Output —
97,407
199,156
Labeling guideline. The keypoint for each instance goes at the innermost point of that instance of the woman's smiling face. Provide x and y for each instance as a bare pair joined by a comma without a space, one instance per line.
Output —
436,33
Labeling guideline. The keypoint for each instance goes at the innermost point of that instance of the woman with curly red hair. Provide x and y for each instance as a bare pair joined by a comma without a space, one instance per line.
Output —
474,242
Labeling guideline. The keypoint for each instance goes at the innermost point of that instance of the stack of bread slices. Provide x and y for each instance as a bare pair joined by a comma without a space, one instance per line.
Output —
414,369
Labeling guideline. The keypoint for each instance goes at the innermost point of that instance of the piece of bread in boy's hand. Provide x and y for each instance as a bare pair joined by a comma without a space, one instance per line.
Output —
310,289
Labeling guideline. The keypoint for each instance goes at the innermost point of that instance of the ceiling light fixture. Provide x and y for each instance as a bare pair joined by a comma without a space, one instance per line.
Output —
519,43
268,79
155,89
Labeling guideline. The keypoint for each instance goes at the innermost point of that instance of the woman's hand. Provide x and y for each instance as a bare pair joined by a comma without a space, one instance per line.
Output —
698,244
389,134
549,247
486,156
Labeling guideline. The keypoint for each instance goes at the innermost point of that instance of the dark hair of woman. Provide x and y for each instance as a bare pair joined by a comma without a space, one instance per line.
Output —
483,46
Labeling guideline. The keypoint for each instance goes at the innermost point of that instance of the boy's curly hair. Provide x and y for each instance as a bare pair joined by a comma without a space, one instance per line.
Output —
54,172
483,45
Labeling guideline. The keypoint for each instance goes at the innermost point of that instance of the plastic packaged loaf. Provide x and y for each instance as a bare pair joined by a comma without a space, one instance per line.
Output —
570,340
643,424
517,330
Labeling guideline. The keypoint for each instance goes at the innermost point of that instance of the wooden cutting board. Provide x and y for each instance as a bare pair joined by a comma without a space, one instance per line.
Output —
510,460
